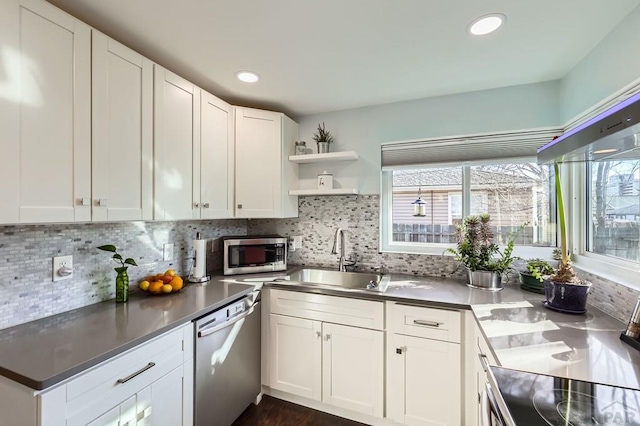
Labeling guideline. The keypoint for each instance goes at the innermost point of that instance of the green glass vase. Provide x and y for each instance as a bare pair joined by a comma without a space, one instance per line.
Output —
122,285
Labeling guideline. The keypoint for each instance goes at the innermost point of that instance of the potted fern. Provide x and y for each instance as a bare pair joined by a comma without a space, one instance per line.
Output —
480,255
564,291
323,139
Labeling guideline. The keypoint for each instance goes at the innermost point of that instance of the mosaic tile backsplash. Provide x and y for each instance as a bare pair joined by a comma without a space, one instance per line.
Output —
28,293
358,216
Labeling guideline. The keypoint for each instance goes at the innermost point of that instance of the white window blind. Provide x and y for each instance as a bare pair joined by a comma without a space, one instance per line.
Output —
457,149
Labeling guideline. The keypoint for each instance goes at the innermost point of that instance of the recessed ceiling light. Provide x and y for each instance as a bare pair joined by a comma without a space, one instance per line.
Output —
247,76
486,24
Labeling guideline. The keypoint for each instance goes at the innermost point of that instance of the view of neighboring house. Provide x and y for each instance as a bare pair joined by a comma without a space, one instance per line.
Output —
511,195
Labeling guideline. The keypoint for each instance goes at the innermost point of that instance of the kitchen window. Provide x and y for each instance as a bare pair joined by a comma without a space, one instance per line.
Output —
606,218
513,190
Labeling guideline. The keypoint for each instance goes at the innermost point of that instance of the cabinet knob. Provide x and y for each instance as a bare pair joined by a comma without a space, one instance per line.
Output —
205,205
196,205
327,337
102,202
85,201
318,334
399,351
239,206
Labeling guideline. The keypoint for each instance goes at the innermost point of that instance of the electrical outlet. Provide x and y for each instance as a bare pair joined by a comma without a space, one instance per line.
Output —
167,252
62,268
297,241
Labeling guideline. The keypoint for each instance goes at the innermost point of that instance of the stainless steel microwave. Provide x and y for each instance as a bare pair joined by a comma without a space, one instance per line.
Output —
251,254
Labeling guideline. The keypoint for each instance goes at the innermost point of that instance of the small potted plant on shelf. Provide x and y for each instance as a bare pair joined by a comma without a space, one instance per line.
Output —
564,291
122,279
533,278
323,138
480,255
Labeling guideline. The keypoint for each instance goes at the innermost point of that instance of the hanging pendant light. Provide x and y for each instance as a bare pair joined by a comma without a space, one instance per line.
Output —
419,206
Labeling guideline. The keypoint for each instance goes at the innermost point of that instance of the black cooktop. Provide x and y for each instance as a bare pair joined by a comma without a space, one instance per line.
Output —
535,399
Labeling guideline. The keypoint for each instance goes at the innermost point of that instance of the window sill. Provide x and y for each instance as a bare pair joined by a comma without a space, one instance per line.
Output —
622,275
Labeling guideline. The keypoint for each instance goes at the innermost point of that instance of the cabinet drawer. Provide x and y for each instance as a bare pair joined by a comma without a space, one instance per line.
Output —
116,378
339,310
438,324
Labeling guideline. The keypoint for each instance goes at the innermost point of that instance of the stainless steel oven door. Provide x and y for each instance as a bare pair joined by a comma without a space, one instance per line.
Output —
490,414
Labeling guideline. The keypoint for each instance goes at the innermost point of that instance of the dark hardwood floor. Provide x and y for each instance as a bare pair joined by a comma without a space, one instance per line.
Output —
275,412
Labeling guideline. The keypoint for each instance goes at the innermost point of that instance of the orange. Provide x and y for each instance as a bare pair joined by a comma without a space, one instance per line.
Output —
158,277
156,287
166,288
176,283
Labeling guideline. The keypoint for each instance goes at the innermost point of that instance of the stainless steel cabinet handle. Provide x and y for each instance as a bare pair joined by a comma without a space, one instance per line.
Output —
239,206
196,205
327,336
318,334
483,361
205,205
401,350
137,373
85,201
427,323
102,202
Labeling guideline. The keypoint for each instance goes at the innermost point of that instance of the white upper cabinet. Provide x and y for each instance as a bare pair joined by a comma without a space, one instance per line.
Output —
264,175
177,136
214,167
122,127
54,92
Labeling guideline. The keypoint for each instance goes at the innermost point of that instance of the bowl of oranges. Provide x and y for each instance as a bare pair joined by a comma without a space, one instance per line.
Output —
166,283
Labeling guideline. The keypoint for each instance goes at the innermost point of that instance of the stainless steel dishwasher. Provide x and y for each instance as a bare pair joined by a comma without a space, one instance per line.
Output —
227,362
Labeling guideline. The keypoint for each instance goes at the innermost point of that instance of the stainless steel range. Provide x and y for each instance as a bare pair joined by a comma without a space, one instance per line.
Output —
227,362
526,399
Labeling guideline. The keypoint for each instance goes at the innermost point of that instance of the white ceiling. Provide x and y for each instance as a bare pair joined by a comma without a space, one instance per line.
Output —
317,56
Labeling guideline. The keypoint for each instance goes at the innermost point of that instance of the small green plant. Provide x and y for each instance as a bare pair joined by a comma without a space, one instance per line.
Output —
477,251
539,268
323,135
117,257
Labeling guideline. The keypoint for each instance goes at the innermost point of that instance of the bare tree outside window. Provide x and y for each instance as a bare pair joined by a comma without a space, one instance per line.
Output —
614,204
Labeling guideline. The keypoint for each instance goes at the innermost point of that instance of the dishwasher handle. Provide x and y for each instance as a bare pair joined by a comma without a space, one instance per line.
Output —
490,412
212,329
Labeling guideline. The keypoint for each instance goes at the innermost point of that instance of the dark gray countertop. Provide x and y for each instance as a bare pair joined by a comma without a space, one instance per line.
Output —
42,353
526,336
523,334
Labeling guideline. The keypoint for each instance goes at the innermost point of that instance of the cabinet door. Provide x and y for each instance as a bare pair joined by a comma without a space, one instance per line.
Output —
295,358
110,418
353,368
55,123
176,133
122,126
258,163
216,159
426,389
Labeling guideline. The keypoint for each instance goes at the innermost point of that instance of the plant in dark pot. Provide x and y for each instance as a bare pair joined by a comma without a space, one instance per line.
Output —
323,139
533,278
122,279
564,291
483,258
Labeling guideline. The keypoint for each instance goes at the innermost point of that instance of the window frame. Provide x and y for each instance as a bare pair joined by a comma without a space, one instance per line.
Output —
386,243
622,271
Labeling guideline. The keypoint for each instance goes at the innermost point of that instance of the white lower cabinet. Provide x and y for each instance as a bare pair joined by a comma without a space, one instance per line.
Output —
425,385
337,364
424,366
149,385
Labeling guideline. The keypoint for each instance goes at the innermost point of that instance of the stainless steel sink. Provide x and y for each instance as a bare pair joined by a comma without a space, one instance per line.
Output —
345,280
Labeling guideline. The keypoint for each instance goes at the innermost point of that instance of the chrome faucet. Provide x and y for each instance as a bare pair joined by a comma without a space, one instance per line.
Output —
342,263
